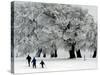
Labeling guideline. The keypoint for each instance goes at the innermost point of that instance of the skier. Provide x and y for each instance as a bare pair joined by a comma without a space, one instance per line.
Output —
28,58
42,63
34,62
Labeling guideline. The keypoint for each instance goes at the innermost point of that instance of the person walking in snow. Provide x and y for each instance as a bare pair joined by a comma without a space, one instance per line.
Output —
42,63
28,58
34,62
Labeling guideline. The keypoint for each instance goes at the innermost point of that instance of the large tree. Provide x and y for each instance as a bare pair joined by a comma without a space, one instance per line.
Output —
49,26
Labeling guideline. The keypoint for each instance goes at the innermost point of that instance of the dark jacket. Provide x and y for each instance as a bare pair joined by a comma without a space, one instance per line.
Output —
34,61
28,58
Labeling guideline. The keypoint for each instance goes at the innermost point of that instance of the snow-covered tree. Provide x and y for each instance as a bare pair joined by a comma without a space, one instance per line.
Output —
50,26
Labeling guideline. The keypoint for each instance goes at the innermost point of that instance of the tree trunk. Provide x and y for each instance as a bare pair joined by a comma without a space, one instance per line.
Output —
84,58
71,52
39,53
44,55
52,54
55,53
78,53
95,54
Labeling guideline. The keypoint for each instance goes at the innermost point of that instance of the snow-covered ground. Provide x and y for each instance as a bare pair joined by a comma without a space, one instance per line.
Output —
55,64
